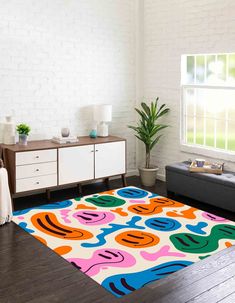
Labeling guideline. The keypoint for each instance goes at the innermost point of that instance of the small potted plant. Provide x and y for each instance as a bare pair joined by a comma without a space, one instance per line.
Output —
23,131
147,131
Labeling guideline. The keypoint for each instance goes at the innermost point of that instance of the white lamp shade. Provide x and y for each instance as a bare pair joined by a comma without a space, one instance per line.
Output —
102,112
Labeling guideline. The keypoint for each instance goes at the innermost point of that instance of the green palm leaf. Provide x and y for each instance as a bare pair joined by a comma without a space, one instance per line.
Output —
147,130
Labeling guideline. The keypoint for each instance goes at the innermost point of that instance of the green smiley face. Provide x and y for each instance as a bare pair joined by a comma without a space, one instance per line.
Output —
106,201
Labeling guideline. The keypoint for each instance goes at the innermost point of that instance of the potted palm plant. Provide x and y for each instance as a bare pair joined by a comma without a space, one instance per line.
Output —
148,131
23,131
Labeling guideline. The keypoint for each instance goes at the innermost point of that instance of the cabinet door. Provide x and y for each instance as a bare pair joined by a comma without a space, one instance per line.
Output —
110,159
76,164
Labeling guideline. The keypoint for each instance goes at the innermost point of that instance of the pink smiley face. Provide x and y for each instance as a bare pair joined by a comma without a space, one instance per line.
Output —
90,217
213,217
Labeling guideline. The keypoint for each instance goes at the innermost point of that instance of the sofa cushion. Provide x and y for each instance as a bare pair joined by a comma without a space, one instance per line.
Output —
227,178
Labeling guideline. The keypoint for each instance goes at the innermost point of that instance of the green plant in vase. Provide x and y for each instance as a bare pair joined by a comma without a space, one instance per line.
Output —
148,130
23,131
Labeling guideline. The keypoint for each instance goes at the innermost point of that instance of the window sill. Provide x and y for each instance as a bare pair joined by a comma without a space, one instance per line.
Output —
212,153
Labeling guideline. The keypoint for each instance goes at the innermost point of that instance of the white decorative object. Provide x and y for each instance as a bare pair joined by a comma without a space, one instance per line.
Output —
102,114
5,198
64,140
9,131
65,131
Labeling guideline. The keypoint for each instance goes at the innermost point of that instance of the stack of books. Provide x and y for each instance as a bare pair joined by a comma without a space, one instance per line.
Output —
64,140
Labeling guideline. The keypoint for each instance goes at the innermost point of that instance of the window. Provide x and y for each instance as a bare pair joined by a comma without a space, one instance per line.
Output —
208,99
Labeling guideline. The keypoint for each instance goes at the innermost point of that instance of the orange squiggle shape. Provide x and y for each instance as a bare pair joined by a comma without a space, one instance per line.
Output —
188,213
62,250
83,206
108,192
120,212
48,223
228,244
156,206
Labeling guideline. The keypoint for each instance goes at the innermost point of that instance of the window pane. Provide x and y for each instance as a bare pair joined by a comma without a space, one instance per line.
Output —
200,102
220,134
221,67
230,100
190,132
210,63
190,69
210,132
210,111
189,97
200,71
199,131
231,135
216,100
231,69
211,69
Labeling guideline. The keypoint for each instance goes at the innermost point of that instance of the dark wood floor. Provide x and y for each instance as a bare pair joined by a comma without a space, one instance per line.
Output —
31,272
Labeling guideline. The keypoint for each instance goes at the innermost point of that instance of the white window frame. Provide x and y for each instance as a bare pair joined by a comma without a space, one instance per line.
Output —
194,148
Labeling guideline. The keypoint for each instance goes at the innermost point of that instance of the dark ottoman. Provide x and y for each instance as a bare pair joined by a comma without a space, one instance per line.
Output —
218,190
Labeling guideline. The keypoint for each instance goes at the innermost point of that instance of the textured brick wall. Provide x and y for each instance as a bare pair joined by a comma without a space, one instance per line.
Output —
58,57
173,28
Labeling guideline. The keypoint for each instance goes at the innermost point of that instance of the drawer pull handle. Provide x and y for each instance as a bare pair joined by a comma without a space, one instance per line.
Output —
37,169
37,182
37,157
96,150
92,151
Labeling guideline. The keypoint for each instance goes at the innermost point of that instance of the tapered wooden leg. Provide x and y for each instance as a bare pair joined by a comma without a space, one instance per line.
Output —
79,187
48,193
124,180
106,180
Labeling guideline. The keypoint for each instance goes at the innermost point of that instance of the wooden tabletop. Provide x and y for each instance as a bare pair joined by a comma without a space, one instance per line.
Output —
48,144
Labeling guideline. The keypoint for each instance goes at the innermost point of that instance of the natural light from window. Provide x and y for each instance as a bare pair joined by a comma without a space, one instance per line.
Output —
208,101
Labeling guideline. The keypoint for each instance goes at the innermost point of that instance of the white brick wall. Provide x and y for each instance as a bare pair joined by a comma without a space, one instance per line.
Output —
173,28
58,57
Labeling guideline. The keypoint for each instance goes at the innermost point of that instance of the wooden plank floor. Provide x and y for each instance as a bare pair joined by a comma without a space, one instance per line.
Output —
31,272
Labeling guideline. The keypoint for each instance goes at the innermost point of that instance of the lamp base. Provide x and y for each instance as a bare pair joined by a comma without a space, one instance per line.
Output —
103,130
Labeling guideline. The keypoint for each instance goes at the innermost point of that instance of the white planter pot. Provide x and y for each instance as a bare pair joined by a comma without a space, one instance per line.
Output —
148,175
23,139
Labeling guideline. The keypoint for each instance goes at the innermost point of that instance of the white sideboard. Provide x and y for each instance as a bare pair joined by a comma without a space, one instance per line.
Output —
45,165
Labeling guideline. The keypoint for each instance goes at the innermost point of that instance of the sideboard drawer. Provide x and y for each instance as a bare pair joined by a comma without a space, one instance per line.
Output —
34,170
36,156
36,183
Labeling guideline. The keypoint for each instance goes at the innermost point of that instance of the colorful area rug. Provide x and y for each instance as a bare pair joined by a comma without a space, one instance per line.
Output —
129,237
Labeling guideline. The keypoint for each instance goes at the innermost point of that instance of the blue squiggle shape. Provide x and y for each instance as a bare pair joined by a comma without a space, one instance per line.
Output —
123,284
197,228
24,226
56,205
113,227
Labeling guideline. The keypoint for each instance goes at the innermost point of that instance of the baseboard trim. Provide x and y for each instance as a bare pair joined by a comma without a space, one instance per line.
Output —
130,173
161,177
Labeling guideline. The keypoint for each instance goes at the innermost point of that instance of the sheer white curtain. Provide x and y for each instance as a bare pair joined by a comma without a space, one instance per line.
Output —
5,197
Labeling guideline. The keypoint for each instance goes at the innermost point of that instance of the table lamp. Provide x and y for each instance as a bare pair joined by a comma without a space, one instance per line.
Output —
102,114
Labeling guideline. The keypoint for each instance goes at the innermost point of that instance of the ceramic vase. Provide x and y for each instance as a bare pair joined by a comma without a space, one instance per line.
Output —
9,131
23,139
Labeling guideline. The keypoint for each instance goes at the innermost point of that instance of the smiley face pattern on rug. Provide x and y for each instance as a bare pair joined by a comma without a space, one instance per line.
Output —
129,237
